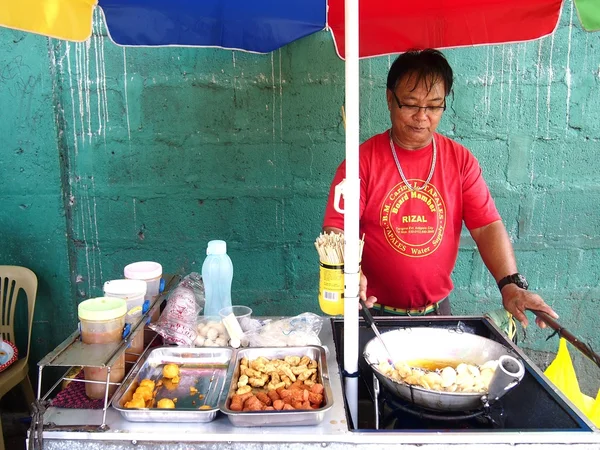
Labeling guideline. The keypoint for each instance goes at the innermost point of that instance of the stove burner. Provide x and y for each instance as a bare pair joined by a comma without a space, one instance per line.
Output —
393,412
398,414
396,405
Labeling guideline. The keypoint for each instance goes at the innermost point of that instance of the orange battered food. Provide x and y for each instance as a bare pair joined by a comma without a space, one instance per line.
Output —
136,403
145,392
171,371
165,403
147,383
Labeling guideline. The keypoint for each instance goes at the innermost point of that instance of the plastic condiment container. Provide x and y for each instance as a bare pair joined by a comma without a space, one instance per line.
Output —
134,293
233,317
102,320
151,273
331,288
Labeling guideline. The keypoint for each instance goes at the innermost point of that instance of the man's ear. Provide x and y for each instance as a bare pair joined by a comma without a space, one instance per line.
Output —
390,99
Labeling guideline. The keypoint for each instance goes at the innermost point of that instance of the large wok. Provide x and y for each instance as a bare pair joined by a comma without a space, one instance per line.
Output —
445,345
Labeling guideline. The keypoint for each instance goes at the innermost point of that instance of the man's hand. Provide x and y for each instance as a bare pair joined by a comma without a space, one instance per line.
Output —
362,292
517,300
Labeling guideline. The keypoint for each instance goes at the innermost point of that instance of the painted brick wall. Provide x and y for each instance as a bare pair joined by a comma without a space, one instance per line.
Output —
112,155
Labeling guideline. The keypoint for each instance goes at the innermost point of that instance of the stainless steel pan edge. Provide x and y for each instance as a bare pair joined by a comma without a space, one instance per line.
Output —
277,418
178,355
434,344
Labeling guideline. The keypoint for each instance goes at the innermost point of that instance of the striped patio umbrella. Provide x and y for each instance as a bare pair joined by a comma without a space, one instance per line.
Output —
386,26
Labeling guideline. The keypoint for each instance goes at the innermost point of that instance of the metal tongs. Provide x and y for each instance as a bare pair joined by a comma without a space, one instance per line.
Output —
584,348
369,319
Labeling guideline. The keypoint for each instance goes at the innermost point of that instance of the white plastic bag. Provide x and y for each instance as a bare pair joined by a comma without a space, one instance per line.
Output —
177,323
294,331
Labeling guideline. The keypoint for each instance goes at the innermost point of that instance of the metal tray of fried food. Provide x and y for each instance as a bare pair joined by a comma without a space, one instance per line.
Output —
285,417
202,373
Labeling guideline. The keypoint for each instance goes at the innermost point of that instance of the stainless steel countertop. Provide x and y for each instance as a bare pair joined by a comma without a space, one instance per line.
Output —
331,432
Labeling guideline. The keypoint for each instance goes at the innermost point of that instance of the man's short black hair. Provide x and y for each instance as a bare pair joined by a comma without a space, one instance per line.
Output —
427,65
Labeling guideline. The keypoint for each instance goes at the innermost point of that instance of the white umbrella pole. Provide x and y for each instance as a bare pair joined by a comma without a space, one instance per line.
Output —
351,208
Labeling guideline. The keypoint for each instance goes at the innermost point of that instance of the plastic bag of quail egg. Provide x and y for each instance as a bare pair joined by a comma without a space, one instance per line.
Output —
211,333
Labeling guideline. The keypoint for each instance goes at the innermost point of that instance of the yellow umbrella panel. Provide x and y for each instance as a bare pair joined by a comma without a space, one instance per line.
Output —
63,19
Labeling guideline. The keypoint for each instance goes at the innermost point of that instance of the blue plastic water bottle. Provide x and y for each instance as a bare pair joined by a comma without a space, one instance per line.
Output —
217,274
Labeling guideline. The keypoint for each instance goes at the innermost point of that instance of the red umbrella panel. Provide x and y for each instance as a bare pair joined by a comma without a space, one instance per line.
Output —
388,26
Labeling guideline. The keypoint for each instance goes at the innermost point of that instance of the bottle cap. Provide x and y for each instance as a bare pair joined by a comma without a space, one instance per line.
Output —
216,248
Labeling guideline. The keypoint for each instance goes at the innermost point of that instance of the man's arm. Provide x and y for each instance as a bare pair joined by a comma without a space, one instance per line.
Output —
497,253
362,290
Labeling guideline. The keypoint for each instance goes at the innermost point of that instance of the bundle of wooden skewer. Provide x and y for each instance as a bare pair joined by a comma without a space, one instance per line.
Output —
330,247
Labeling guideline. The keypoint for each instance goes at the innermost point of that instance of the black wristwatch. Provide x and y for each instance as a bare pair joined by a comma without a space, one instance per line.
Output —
515,278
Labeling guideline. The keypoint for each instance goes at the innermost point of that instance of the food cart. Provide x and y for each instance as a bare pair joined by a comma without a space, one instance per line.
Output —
74,428
532,415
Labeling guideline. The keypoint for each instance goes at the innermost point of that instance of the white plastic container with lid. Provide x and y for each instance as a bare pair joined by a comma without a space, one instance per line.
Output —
133,291
134,294
151,273
217,275
102,320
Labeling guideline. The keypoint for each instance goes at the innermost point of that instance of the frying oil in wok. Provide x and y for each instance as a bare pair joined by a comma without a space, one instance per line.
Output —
431,365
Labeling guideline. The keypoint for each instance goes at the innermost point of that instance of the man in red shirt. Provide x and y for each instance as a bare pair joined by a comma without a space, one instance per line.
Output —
417,188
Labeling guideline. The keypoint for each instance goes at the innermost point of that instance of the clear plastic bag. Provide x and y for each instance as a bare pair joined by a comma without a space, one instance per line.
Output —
294,331
177,323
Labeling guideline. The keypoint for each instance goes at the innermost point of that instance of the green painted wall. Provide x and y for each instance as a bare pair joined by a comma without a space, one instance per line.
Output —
111,155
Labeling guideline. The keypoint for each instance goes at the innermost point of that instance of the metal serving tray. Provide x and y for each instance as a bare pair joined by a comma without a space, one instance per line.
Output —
204,369
278,418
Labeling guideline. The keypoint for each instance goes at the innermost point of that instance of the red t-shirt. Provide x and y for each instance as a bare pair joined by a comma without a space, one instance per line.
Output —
412,238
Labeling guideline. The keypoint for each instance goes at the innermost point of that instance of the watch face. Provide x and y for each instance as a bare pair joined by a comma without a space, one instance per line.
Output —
521,281
515,278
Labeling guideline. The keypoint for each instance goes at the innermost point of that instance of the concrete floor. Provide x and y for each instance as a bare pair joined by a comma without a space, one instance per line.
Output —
15,420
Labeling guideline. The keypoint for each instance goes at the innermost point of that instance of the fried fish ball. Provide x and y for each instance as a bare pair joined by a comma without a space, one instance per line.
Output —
465,381
170,370
169,385
165,403
432,380
486,377
403,369
148,383
384,367
491,365
145,392
136,403
448,375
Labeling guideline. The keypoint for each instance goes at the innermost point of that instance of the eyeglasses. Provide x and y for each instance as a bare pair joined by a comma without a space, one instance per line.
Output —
414,109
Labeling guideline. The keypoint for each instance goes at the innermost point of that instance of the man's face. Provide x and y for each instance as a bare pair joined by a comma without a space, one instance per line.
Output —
413,128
